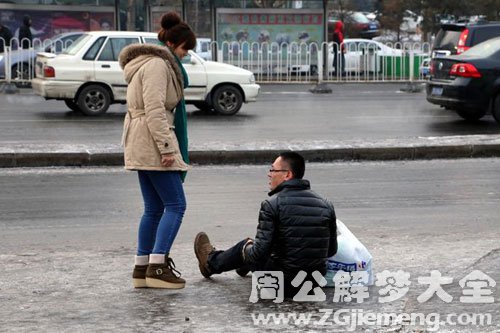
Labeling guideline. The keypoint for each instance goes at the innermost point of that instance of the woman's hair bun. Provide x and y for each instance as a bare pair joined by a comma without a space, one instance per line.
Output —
169,20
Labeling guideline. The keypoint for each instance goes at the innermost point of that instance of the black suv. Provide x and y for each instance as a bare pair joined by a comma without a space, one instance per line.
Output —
455,38
468,83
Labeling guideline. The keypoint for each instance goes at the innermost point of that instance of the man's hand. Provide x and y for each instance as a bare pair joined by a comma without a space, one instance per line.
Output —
167,159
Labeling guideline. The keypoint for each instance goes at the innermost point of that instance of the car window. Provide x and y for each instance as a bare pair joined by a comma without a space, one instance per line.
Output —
94,49
484,49
113,46
77,45
484,33
360,18
150,40
370,47
67,41
351,47
60,44
447,40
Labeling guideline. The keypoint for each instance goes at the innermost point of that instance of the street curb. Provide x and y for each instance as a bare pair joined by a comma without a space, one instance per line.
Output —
13,159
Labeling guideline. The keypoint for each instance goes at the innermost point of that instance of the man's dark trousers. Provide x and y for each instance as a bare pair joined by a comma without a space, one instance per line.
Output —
223,261
232,258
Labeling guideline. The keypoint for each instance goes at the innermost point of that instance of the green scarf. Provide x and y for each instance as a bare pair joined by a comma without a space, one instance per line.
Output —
180,121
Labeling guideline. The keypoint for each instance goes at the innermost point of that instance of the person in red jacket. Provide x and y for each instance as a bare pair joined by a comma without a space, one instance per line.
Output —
338,48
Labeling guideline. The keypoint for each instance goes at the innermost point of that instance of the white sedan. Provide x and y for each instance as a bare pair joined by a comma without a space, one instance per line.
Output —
88,78
361,55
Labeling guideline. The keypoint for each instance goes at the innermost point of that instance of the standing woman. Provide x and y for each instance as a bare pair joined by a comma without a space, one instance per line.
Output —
155,145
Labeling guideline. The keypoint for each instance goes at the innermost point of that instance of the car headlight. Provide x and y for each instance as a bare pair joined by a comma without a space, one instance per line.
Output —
252,78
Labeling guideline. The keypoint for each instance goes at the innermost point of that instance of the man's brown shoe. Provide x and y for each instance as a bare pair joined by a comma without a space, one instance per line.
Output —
164,276
202,248
139,276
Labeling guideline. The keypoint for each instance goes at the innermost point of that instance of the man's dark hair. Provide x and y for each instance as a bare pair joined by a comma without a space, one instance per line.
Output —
296,163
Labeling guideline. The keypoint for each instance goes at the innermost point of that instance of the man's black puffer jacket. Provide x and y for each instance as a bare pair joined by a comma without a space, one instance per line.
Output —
297,230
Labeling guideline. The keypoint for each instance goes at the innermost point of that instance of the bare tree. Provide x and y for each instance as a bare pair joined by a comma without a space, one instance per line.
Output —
270,3
433,10
392,15
340,6
490,8
131,15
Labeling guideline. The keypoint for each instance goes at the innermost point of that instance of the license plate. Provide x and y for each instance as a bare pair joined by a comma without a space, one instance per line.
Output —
437,91
440,54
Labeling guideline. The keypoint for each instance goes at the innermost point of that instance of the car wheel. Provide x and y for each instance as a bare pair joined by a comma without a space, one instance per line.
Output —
203,106
72,105
471,115
496,108
93,100
227,100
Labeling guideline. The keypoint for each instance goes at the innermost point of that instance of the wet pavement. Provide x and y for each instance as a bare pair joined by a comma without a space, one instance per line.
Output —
89,291
355,122
66,257
79,288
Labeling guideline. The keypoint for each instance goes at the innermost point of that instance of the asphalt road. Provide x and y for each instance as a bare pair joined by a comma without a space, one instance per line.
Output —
68,237
68,234
287,113
428,198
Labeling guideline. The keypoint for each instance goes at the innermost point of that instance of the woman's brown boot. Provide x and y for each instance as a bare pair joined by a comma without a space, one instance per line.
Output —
164,276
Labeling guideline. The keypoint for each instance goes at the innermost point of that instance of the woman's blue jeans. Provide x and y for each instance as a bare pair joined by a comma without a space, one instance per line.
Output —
164,207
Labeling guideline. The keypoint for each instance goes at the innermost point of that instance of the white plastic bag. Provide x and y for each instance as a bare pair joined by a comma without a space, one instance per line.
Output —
351,256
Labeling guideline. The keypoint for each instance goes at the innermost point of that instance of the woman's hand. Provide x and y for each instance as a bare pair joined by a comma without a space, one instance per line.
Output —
167,159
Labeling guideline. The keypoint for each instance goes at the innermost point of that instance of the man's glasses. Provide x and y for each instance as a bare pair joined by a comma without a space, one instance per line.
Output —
276,170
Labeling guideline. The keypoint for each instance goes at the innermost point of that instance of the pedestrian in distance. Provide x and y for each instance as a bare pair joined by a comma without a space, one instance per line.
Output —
156,146
5,37
338,48
297,230
25,35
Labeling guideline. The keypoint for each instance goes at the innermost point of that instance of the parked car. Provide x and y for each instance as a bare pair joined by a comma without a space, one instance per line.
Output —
468,83
361,55
455,38
88,78
356,25
23,60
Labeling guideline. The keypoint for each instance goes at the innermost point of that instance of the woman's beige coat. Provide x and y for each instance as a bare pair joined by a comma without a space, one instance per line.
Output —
155,86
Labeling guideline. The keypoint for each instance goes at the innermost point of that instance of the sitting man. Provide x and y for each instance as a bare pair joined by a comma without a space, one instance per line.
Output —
297,230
